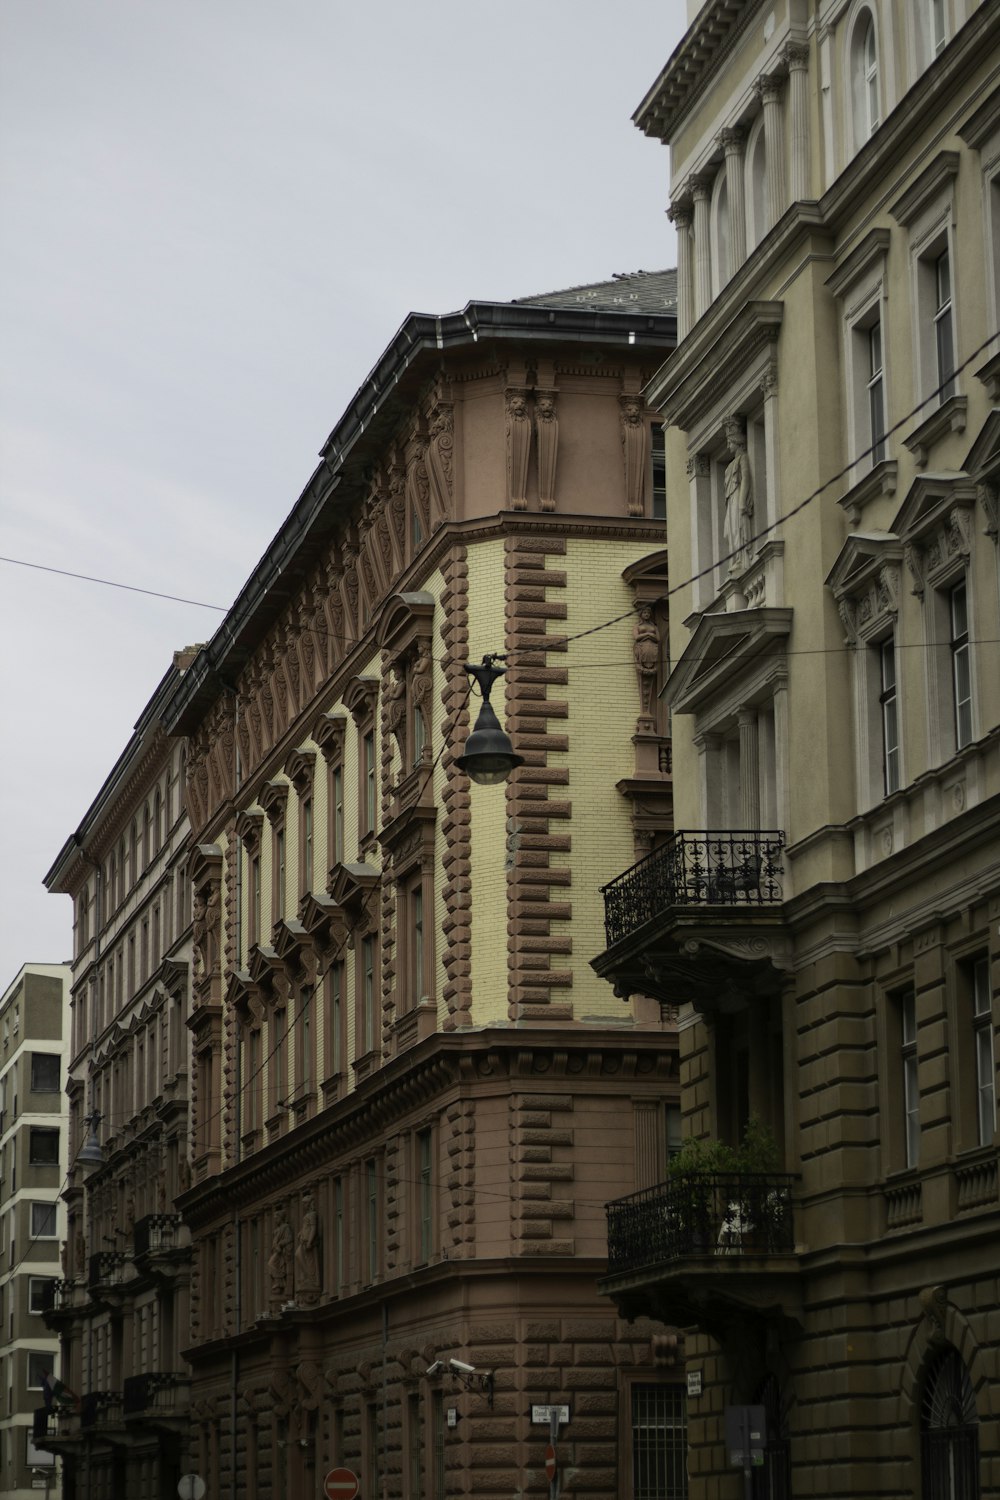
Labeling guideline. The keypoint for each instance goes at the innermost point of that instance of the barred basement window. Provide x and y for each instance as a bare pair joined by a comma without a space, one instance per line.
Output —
949,1437
659,1443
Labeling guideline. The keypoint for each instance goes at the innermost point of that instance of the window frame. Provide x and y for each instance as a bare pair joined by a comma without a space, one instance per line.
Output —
52,1209
36,1133
46,1088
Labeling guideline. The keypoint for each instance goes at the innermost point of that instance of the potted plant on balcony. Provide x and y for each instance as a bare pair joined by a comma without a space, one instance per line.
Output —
719,1200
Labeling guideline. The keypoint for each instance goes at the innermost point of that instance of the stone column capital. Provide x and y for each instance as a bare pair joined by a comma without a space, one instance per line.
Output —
769,88
732,140
681,213
795,55
701,187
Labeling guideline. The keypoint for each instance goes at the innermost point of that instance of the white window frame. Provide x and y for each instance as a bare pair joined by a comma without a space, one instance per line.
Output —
864,76
927,210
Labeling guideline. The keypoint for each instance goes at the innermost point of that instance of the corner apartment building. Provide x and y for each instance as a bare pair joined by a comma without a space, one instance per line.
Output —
33,1157
410,1095
827,912
121,1304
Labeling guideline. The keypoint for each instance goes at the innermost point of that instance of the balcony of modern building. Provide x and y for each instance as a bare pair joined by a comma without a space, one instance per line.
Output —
707,1250
63,1300
700,917
157,1398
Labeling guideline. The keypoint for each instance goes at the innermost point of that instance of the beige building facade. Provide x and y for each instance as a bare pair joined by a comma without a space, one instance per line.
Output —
121,1303
33,1145
827,913
411,1095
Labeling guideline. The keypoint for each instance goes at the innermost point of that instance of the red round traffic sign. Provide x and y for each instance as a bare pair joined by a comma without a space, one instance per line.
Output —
550,1462
341,1484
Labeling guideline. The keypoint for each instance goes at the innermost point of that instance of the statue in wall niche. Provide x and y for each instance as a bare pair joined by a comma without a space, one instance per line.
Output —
198,930
646,650
395,706
307,1276
79,1252
738,521
279,1262
213,923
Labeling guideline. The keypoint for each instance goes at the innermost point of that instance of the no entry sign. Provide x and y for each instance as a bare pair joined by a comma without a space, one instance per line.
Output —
340,1484
550,1462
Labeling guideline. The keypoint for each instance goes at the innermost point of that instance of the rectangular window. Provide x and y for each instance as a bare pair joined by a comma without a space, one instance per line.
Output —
415,1442
658,471
944,336
337,803
938,34
279,1088
252,1081
253,925
45,1072
39,1294
305,1041
437,1438
961,675
890,715
659,1443
43,1147
340,1268
368,994
371,1218
982,1023
369,772
43,1221
280,881
425,1194
40,1362
911,1087
417,943
335,1019
876,394
306,871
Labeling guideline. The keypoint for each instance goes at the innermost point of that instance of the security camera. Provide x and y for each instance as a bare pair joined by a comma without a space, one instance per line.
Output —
461,1368
433,1369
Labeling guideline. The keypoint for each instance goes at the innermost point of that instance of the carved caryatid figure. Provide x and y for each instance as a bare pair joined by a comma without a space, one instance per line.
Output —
279,1262
634,454
307,1254
440,457
646,649
738,519
395,706
518,434
547,436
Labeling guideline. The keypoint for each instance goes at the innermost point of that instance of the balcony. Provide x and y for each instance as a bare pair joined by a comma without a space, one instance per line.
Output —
106,1276
700,917
101,1412
156,1234
159,1398
45,1426
707,1250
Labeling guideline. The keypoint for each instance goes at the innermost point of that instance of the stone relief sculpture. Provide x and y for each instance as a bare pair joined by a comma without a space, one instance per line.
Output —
395,706
439,457
279,1262
518,432
634,455
738,520
646,649
307,1274
547,436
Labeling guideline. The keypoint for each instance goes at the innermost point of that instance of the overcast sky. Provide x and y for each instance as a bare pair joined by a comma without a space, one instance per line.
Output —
214,214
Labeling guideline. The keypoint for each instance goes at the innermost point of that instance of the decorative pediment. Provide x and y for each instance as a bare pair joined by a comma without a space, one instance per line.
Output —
865,582
204,865
243,996
293,945
300,767
273,798
328,732
324,920
648,577
935,524
267,974
409,838
248,828
403,617
352,888
360,697
727,655
983,458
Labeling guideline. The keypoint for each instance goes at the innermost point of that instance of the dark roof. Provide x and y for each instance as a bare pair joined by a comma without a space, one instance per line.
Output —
643,291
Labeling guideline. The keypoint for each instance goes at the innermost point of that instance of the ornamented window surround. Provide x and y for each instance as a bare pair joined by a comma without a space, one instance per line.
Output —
330,733
927,211
355,889
360,697
405,635
982,133
408,850
859,284
866,582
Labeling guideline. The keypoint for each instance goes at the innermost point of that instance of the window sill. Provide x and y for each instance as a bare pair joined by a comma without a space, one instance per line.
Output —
950,416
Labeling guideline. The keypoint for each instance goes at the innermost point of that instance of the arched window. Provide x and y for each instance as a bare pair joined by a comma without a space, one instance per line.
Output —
756,186
720,232
949,1432
865,109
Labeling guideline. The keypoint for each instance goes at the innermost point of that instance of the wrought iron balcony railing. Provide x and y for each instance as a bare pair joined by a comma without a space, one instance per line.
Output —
706,868
101,1409
156,1390
107,1268
44,1425
156,1232
704,1214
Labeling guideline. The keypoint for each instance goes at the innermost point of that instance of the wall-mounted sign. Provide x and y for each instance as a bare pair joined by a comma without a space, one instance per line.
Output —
544,1414
694,1382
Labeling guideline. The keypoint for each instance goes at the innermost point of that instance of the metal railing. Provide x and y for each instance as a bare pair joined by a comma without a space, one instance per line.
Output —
156,1232
101,1409
157,1390
706,868
701,1214
44,1424
106,1268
